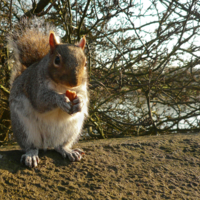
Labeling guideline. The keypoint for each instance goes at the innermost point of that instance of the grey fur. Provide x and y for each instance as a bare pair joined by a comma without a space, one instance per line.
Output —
42,116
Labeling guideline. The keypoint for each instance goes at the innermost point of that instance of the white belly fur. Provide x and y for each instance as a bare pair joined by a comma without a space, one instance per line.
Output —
50,129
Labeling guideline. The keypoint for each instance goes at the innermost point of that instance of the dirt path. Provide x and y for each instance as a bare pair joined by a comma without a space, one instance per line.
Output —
153,167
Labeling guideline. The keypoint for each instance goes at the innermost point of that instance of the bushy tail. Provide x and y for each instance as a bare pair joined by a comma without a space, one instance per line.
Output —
29,43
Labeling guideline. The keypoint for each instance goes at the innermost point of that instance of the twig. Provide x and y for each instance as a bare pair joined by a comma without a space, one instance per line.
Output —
47,10
10,15
4,89
84,14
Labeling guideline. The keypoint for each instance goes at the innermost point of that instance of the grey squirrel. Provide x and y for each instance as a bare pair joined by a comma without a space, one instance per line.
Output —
44,69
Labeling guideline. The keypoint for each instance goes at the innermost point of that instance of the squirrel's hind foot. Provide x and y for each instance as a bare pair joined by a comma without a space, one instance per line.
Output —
30,158
72,154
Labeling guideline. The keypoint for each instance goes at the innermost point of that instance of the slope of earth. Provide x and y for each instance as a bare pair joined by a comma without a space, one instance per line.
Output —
152,167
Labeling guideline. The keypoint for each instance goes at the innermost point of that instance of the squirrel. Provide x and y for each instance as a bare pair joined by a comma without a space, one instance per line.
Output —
43,70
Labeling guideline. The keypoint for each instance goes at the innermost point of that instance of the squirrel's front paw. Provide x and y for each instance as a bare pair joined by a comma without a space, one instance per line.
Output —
65,104
76,105
30,159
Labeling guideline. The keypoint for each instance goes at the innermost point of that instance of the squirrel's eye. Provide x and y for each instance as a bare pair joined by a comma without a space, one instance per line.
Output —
57,60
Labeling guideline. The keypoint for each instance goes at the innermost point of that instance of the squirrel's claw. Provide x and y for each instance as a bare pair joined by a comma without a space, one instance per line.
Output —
73,155
30,159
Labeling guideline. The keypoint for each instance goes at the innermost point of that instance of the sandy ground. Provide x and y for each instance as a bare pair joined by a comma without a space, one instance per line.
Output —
153,167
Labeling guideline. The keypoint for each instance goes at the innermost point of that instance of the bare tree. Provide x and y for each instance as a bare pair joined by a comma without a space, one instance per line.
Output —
143,60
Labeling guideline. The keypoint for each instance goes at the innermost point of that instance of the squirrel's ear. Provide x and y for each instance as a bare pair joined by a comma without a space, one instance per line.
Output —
52,41
82,43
